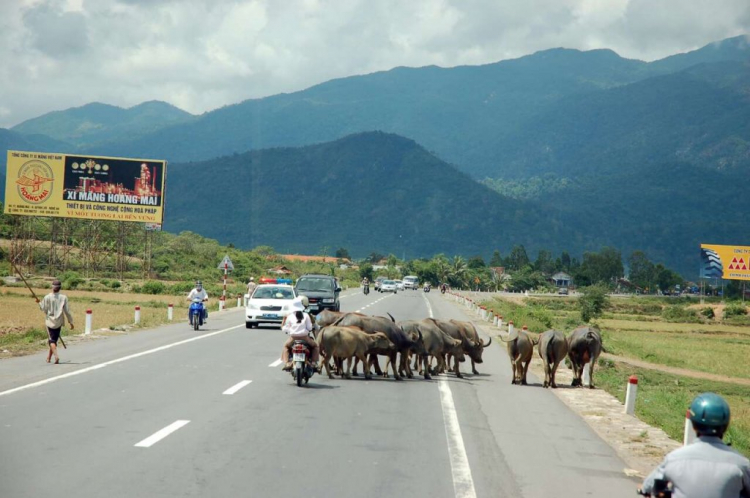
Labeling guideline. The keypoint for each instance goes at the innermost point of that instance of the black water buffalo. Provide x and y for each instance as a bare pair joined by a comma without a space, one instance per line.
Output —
584,346
435,343
553,347
348,342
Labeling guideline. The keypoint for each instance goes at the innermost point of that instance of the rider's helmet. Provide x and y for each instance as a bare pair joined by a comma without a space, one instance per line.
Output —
252,279
709,414
198,284
305,301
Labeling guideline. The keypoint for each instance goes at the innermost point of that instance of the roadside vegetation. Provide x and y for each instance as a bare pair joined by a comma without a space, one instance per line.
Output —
663,331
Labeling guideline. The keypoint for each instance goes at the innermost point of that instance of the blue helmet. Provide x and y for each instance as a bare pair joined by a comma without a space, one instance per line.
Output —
709,414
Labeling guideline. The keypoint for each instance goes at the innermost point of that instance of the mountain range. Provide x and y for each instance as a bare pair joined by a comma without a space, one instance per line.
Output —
627,153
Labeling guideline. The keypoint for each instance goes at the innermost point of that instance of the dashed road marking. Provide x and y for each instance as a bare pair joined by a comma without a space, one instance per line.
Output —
159,435
275,363
237,387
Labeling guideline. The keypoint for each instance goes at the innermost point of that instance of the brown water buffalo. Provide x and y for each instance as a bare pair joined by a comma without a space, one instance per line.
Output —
553,347
348,342
327,317
434,344
520,350
373,324
469,331
584,346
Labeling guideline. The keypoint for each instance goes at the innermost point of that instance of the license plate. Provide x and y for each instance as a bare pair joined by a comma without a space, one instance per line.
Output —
269,315
299,357
313,306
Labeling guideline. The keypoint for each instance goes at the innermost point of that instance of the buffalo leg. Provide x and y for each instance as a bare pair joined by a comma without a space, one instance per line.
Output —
349,362
474,368
356,362
374,362
553,372
591,374
426,367
525,369
457,372
366,363
328,366
396,375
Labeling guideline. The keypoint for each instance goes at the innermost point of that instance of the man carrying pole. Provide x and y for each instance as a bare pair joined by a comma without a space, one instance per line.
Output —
55,307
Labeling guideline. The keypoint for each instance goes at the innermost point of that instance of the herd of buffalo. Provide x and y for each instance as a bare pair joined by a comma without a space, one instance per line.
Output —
361,338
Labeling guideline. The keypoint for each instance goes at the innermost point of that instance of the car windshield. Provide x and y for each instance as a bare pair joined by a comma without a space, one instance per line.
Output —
273,293
389,282
315,284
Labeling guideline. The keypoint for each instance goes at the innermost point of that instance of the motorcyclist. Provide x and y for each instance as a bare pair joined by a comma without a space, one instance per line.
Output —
366,285
708,468
299,326
199,292
443,288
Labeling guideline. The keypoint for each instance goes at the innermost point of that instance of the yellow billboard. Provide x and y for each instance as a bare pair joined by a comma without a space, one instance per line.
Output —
86,187
728,262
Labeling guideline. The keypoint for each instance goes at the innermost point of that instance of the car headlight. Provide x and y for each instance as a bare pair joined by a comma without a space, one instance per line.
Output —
285,308
252,306
328,301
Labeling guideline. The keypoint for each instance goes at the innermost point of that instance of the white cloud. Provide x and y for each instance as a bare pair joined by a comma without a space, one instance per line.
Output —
203,54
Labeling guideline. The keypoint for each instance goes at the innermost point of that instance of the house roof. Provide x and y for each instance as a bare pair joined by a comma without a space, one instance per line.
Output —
561,275
321,259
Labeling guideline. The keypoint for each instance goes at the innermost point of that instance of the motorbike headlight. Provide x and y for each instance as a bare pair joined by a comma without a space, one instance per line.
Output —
328,301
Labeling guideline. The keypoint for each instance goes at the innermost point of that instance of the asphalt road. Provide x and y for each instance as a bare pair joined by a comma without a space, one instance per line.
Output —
128,420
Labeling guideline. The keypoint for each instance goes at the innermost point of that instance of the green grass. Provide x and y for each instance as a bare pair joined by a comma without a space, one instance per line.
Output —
663,399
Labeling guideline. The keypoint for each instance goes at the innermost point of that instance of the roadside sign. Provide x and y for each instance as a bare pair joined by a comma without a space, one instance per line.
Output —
226,263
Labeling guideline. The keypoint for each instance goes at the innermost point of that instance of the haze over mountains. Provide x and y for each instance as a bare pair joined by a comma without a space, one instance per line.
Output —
627,153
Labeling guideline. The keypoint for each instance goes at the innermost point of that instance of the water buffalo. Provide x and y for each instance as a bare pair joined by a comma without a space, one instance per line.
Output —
553,347
348,342
373,324
520,349
327,317
434,343
584,346
474,346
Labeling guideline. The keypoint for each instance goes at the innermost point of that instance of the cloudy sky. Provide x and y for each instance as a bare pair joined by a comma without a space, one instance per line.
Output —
204,54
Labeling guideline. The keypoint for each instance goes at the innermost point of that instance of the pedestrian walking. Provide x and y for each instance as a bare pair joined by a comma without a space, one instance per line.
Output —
251,285
55,307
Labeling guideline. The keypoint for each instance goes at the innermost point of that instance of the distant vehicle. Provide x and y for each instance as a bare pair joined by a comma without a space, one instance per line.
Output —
411,282
378,282
388,286
322,291
399,285
270,303
563,291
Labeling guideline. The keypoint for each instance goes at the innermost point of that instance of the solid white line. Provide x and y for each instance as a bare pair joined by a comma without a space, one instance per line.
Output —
463,484
118,360
159,435
237,387
275,363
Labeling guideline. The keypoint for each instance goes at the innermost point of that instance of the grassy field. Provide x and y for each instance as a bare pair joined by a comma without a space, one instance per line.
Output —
22,323
661,331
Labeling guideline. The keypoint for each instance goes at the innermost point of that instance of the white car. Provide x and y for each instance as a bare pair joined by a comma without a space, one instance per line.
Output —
399,285
270,303
411,282
388,286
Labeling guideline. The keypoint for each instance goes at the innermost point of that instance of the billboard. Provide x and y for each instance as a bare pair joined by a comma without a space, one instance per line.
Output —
86,187
728,262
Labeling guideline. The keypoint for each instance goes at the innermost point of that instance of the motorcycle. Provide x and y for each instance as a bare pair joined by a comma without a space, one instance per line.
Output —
442,289
366,289
196,314
427,288
302,369
662,489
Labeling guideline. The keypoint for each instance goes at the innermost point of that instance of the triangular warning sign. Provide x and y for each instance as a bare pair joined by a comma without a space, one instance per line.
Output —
731,267
744,267
734,260
741,261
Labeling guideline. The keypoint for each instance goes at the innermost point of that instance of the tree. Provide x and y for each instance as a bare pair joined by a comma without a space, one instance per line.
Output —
374,257
593,302
518,258
565,261
642,271
458,272
476,262
544,262
602,267
496,260
342,253
365,271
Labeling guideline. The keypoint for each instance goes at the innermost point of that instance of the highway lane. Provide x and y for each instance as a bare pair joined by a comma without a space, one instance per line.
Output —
270,438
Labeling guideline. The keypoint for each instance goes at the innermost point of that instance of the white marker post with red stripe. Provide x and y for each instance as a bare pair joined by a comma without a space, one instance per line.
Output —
87,330
170,312
630,395
137,314
227,266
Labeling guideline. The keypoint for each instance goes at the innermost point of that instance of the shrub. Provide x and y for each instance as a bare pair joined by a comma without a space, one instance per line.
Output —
593,302
708,312
735,309
679,314
153,287
71,280
115,284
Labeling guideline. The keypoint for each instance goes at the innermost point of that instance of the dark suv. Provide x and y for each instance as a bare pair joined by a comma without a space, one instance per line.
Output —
322,291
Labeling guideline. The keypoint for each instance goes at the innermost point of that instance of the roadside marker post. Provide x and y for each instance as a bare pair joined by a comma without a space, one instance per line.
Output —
239,301
511,329
587,374
689,435
87,330
170,312
137,315
630,395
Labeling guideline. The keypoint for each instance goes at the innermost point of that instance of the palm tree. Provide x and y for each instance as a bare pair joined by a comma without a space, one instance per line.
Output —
458,271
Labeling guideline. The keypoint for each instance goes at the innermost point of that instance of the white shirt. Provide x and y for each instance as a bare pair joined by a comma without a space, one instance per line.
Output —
198,294
55,305
294,329
708,468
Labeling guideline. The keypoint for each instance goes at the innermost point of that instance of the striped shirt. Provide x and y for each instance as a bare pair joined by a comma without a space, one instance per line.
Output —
55,305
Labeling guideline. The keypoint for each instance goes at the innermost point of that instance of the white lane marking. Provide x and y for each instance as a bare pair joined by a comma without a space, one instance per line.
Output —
275,363
112,362
463,484
159,435
372,303
237,387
